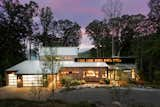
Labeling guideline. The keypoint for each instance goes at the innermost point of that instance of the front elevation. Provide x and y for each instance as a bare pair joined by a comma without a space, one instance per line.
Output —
57,63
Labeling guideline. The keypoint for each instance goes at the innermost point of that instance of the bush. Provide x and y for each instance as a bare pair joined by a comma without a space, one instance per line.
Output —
82,81
75,82
107,81
69,81
66,81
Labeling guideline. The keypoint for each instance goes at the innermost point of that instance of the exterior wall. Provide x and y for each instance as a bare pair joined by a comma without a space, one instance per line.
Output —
6,78
87,74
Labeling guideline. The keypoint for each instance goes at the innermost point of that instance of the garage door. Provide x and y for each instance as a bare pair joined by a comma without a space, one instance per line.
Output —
12,80
32,80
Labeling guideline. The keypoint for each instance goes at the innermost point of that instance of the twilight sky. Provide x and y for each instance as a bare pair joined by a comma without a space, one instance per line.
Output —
84,11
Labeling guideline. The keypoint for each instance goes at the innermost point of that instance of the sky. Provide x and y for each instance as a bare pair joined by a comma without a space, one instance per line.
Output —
85,11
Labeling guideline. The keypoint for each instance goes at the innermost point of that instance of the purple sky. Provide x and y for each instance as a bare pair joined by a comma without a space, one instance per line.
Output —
84,11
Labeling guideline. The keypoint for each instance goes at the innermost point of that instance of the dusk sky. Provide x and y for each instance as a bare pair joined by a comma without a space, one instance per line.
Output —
84,11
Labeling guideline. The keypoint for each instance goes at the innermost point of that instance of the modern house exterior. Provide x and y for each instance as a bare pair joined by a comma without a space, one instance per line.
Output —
54,63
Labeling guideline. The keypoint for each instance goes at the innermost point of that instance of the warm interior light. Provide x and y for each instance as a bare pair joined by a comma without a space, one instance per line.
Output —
12,79
91,73
32,80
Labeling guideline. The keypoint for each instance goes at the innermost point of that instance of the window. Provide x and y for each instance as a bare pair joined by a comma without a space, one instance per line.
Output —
12,80
81,60
89,60
32,80
104,74
92,73
107,60
98,60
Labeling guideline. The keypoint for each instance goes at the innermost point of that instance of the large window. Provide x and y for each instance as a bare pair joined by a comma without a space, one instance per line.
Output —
12,80
91,73
32,80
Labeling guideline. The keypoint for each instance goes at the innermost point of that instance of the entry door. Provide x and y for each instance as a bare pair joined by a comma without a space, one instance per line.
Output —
12,80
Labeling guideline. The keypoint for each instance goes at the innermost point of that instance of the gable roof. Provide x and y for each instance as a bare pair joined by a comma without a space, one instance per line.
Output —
27,67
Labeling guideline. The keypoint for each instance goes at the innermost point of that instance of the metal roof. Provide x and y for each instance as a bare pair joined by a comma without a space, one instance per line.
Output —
27,67
60,51
83,64
37,67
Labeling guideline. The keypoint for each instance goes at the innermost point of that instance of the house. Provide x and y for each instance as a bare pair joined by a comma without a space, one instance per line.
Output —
55,63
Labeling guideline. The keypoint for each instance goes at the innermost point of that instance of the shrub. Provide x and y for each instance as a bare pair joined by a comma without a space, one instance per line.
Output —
75,82
69,81
66,81
82,81
107,81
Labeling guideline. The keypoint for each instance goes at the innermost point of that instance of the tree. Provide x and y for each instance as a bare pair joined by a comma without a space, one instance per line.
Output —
68,32
154,13
13,31
128,33
99,32
46,17
51,64
112,9
31,11
58,33
122,30
154,6
146,29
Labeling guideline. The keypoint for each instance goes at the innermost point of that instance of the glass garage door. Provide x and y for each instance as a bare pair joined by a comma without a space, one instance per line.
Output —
12,80
32,80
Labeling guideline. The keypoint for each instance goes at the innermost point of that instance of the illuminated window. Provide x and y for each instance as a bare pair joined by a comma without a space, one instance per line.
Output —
104,74
133,74
92,73
107,60
117,60
81,60
89,60
12,80
32,80
98,60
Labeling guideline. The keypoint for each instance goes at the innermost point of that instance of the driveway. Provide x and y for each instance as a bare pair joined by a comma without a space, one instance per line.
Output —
103,96
28,93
